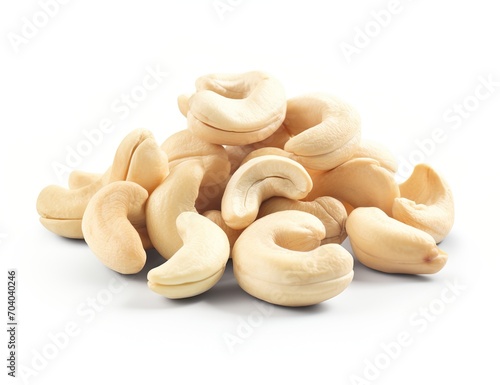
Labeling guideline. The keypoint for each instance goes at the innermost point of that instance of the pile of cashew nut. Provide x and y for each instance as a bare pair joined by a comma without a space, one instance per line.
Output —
275,184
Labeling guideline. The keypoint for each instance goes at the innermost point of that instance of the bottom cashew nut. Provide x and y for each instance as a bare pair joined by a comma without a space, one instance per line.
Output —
198,264
279,259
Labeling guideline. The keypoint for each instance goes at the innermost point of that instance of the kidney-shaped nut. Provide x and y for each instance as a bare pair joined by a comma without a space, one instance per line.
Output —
279,259
111,226
257,180
236,109
426,203
359,182
198,264
178,193
325,130
385,244
328,210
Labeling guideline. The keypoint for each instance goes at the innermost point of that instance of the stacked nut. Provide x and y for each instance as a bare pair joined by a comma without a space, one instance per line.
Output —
275,184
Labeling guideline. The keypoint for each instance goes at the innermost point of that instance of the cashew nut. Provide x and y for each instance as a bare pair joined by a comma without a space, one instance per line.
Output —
111,224
180,189
330,211
385,244
235,109
279,259
198,264
325,130
257,180
360,182
426,203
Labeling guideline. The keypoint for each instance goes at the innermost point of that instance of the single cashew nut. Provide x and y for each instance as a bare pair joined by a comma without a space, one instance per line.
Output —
178,193
279,259
330,211
258,180
426,203
198,264
110,226
385,244
235,109
325,130
359,182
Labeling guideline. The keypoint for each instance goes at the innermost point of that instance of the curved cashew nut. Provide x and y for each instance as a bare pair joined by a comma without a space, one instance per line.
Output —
328,210
180,190
385,244
61,209
325,130
111,224
258,180
235,109
198,264
278,259
426,203
359,182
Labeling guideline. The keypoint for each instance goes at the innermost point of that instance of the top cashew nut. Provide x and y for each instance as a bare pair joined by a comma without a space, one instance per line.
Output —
235,109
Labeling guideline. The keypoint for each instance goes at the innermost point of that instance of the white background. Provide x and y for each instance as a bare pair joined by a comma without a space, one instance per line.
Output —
64,80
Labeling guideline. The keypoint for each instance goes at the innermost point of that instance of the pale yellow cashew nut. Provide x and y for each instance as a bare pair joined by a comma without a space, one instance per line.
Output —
235,109
325,130
426,203
257,180
200,262
279,259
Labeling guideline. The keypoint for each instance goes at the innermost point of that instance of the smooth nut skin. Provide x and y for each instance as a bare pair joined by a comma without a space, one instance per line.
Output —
235,109
325,130
385,244
111,224
329,210
279,259
258,180
198,264
360,182
426,203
